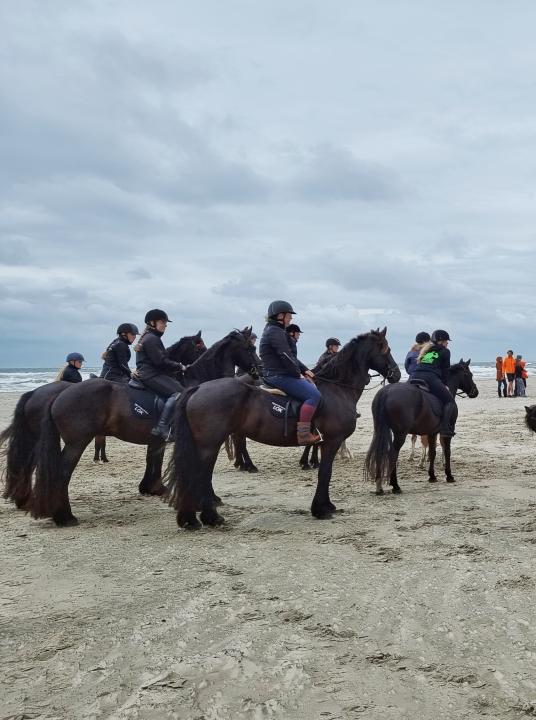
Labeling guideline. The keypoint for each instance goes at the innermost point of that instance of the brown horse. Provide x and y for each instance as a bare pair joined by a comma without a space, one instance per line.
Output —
206,415
99,407
530,417
404,409
21,437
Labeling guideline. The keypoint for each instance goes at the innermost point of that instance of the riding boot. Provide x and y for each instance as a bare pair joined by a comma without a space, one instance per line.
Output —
162,428
448,420
304,434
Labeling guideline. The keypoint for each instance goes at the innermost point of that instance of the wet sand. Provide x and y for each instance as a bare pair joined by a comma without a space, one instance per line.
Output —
412,606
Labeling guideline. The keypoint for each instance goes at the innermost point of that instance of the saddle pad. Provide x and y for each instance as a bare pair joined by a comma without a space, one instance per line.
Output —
145,403
272,390
289,408
421,384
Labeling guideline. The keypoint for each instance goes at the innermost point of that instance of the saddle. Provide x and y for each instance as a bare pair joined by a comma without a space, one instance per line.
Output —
287,407
144,403
421,384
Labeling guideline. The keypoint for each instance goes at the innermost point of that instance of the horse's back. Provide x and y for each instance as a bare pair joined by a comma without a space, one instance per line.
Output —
407,408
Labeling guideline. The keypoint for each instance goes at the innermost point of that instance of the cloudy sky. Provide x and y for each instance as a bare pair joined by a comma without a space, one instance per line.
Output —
373,163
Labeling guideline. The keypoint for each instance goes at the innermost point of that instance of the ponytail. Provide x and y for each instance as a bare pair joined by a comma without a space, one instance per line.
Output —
424,350
59,375
137,347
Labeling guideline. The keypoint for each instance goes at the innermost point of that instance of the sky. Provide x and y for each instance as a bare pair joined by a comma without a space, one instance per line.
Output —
372,163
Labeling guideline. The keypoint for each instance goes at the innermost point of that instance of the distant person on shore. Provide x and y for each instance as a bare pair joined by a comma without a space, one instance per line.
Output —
520,385
117,355
509,369
71,371
410,363
501,380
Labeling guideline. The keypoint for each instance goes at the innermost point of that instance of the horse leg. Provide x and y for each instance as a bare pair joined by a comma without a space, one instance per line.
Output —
103,457
446,454
424,451
314,456
413,441
432,440
237,452
209,515
70,456
398,441
322,507
304,460
246,461
151,483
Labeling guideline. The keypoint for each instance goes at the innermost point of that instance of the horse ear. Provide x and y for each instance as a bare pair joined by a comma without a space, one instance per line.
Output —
384,331
468,362
246,332
527,409
461,361
198,336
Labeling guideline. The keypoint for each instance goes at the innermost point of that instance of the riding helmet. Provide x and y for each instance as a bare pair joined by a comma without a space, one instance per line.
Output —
439,335
156,314
293,328
74,356
332,341
279,306
422,337
128,328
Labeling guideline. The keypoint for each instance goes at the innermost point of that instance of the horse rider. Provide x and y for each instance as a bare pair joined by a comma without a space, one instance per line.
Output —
117,355
71,372
410,363
332,348
433,366
283,370
156,370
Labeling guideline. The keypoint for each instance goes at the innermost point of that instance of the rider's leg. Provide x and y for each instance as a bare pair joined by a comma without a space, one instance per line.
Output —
170,388
309,393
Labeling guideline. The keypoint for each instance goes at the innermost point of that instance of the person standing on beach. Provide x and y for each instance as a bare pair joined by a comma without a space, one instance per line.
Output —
501,380
509,369
71,372
520,385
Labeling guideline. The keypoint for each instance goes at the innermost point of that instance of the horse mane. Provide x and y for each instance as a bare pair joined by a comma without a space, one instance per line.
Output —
339,367
209,365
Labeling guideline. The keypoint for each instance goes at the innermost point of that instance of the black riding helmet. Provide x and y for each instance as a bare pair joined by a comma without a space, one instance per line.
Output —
279,306
422,337
332,341
293,328
127,328
154,315
439,335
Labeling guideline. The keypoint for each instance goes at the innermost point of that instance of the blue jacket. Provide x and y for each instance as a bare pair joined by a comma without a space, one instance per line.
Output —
410,363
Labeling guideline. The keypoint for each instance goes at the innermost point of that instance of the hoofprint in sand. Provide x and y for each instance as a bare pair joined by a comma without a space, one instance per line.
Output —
411,606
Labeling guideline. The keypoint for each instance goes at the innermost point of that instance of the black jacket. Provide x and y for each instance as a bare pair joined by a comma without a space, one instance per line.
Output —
294,348
152,357
116,362
436,360
71,374
277,355
322,360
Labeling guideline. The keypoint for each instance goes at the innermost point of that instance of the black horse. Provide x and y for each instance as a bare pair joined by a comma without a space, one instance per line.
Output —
20,438
530,417
185,351
206,415
99,407
404,409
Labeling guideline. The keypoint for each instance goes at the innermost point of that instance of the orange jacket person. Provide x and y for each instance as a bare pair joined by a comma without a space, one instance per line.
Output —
501,380
509,368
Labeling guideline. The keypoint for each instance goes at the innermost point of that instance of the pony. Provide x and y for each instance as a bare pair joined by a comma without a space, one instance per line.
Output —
20,438
99,407
206,415
404,409
530,417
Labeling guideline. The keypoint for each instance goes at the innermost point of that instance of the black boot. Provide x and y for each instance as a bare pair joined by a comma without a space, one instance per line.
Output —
448,420
162,428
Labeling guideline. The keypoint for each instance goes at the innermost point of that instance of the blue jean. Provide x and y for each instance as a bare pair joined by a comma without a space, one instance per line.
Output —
297,387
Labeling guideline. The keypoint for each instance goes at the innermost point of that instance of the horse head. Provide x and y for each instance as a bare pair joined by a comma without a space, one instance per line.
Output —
380,357
530,417
186,350
465,378
243,351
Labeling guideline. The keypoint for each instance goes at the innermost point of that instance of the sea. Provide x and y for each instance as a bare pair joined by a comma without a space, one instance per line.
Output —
20,380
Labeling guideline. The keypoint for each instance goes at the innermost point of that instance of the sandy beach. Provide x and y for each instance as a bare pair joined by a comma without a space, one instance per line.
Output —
412,606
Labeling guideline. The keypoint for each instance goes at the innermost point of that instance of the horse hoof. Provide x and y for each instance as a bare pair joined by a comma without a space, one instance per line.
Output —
216,500
432,479
305,466
315,466
212,518
253,469
70,521
397,490
323,512
451,480
189,523
380,492
105,460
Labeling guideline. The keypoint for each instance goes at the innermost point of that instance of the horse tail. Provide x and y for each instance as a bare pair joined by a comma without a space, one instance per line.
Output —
380,458
230,447
19,453
47,488
183,472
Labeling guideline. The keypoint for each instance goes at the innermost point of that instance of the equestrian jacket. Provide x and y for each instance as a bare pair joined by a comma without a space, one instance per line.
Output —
435,360
116,362
71,374
294,348
152,357
276,352
322,360
410,363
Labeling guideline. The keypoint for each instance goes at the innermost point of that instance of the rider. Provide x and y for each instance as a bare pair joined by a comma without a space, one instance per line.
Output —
283,370
332,348
433,366
155,369
117,354
410,363
71,372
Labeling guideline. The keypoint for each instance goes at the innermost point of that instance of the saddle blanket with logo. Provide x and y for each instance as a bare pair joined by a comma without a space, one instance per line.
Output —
288,407
145,403
437,407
